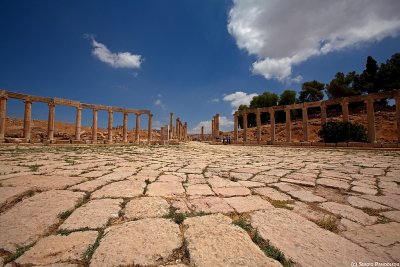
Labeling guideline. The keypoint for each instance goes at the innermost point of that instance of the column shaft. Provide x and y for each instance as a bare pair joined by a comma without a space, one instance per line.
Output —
78,123
50,126
217,126
288,126
110,126
202,133
371,120
27,120
244,127
305,124
235,127
3,116
272,119
171,125
137,128
149,129
345,111
213,129
258,121
125,128
94,127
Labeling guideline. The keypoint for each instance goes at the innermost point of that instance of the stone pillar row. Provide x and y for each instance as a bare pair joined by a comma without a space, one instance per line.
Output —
51,122
181,130
215,127
369,103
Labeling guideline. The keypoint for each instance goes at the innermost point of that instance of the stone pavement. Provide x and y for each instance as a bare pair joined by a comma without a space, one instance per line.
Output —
198,205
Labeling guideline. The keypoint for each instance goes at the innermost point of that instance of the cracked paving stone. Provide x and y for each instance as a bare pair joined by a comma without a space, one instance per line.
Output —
271,193
199,190
333,183
143,242
42,182
232,191
165,189
59,248
361,203
210,205
349,212
247,204
28,220
93,215
304,242
213,241
146,207
392,215
382,234
122,189
306,196
10,194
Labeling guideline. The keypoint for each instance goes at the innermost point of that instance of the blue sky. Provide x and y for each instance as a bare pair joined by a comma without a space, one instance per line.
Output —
181,56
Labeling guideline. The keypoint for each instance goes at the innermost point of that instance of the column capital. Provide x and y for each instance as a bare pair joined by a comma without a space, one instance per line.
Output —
3,97
150,115
369,100
27,101
344,101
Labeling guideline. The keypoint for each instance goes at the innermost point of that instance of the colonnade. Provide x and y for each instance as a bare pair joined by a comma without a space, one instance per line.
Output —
53,102
179,131
215,127
343,102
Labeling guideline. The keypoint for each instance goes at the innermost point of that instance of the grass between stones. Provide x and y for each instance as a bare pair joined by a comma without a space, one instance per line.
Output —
329,223
19,252
179,217
87,256
282,204
268,249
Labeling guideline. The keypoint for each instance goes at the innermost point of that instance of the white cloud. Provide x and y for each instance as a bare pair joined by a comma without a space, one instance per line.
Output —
115,60
286,33
159,103
224,125
215,100
239,98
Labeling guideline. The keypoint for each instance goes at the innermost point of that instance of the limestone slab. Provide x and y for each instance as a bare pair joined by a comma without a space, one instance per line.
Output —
306,196
349,212
271,193
33,217
251,184
304,242
383,234
387,200
232,191
393,215
248,203
42,182
10,194
93,215
165,189
361,203
146,207
143,242
335,183
59,248
364,190
265,178
210,205
199,190
213,241
122,189
170,178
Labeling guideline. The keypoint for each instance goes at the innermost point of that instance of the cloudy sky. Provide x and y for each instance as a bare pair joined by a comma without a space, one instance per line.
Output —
193,58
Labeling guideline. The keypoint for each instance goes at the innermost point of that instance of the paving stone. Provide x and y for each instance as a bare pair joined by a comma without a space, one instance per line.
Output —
306,196
307,211
59,248
364,190
304,242
372,171
393,215
387,200
199,190
93,215
10,194
42,182
361,203
240,175
210,205
286,187
382,234
28,220
271,193
251,184
265,178
221,182
170,178
143,242
122,189
213,241
349,212
247,204
333,183
163,189
232,191
146,207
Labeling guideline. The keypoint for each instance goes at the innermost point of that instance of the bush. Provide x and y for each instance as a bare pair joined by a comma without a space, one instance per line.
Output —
334,132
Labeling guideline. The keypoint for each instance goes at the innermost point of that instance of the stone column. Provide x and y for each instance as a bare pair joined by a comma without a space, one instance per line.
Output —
345,110
78,123
3,116
371,120
258,121
27,120
244,126
137,128
217,126
323,113
235,126
171,125
149,129
94,127
202,133
272,119
306,134
50,125
398,117
110,126
212,129
177,128
185,131
288,126
125,128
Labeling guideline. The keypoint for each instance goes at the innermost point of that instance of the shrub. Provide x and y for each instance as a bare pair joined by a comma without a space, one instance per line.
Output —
334,132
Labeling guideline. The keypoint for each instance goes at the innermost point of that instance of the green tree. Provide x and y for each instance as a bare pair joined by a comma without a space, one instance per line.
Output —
342,85
287,97
388,76
311,91
367,82
267,99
